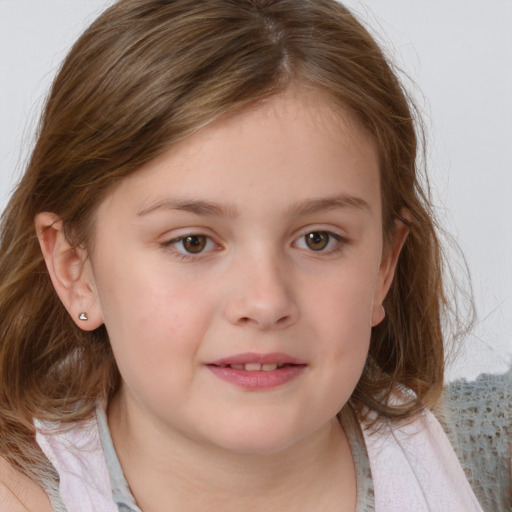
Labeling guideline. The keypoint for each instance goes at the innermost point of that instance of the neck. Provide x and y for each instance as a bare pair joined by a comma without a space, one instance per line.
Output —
168,471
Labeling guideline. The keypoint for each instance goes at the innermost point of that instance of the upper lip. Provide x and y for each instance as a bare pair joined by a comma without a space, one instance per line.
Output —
252,357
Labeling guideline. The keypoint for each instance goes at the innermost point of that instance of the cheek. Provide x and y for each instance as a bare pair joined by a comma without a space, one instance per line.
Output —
153,317
156,332
342,307
344,355
343,302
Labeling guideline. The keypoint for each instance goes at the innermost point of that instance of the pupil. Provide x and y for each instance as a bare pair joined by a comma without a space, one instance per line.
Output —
317,240
194,243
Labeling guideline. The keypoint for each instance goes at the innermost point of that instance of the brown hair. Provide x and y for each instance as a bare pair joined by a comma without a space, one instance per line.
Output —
144,76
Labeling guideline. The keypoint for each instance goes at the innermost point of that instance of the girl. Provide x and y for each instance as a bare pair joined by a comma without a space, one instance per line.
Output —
220,277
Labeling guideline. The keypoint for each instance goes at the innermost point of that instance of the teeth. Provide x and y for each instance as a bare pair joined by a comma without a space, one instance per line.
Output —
255,367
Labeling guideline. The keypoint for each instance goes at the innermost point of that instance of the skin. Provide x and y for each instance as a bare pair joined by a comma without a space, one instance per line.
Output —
291,166
18,493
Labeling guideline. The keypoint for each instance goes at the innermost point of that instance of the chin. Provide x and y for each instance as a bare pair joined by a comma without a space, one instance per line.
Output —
259,439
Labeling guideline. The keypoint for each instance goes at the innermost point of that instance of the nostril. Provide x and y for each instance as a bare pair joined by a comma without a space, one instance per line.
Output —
260,314
283,320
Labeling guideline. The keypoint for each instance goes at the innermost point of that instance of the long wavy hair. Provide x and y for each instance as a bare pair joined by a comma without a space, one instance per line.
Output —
144,76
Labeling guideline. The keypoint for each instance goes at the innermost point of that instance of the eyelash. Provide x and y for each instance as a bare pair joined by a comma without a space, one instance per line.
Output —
338,240
185,255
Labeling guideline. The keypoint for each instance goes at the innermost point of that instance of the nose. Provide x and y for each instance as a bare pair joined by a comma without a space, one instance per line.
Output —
262,297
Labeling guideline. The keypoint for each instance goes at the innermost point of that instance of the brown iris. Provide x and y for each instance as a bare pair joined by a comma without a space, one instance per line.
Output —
194,243
317,240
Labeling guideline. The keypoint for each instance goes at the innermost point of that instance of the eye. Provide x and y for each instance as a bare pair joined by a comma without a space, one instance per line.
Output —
319,241
192,244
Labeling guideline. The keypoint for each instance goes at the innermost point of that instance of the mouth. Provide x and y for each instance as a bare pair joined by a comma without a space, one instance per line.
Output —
257,371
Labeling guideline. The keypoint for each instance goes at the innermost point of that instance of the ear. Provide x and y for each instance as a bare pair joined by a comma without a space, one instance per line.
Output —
388,265
70,271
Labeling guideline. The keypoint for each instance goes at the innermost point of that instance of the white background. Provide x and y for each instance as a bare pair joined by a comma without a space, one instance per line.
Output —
458,56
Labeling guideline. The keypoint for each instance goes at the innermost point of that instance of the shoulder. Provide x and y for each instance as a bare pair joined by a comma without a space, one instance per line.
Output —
477,417
18,493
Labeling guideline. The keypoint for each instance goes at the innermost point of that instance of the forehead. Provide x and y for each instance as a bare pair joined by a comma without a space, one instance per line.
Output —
285,149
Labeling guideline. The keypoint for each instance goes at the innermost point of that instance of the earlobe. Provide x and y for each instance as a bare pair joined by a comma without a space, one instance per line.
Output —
388,265
378,314
69,271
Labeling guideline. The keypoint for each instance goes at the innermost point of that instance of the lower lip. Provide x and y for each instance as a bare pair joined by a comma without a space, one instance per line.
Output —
255,380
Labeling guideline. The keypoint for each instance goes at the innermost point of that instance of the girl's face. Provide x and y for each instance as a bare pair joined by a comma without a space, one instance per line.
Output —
240,274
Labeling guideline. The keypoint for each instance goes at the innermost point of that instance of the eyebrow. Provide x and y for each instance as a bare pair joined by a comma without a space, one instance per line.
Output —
307,207
329,203
199,207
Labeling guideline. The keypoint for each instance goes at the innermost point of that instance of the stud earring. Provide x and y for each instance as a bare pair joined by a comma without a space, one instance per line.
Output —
83,316
383,310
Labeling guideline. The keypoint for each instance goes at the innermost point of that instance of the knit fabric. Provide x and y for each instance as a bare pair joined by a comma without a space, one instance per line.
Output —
477,416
